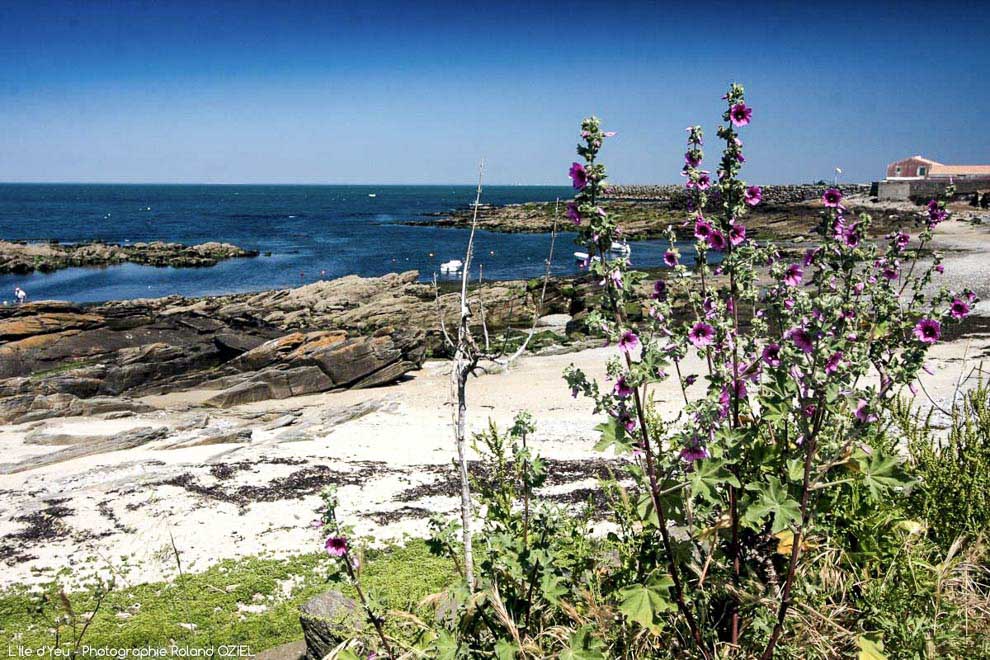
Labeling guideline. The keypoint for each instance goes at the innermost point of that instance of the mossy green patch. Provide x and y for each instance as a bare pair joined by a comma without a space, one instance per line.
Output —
252,601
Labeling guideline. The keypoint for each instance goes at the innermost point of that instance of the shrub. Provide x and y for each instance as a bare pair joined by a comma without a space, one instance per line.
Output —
771,492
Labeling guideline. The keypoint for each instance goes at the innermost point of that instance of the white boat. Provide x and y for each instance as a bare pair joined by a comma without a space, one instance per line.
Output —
620,248
452,266
580,256
372,195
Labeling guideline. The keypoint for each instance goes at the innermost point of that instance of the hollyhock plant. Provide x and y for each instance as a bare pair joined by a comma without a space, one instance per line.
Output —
770,435
336,546
573,214
832,198
701,334
740,114
628,342
753,195
928,331
579,176
959,308
793,275
737,234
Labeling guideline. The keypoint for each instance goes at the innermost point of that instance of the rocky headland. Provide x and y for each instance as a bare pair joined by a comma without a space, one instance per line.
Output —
23,257
648,212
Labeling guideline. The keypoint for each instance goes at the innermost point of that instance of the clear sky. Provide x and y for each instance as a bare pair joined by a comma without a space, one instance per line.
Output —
418,92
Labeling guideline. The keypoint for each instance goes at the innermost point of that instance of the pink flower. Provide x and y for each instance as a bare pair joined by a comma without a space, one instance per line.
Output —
628,342
701,334
901,240
771,355
670,258
753,195
959,309
832,364
832,198
863,413
737,233
704,181
622,390
936,213
740,114
579,176
573,213
702,229
793,275
716,240
336,546
801,338
692,158
694,453
928,331
659,290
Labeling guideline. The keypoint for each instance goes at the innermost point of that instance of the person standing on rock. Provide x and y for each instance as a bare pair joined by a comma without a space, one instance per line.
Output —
20,294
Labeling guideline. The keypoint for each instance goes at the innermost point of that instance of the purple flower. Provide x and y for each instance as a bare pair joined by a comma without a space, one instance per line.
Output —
936,213
670,258
801,338
616,276
737,233
702,228
701,334
659,290
622,390
959,309
863,413
832,364
771,355
628,342
694,453
573,213
740,114
928,331
336,546
753,195
692,158
716,240
939,268
832,198
793,275
579,176
901,240
690,380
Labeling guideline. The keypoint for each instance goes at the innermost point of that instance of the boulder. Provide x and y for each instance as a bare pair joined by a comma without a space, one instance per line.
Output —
327,621
271,383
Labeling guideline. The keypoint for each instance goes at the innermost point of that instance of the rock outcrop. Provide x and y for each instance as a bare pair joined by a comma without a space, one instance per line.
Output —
48,257
60,359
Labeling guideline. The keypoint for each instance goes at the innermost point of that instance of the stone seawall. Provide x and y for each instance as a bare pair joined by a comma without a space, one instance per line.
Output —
676,196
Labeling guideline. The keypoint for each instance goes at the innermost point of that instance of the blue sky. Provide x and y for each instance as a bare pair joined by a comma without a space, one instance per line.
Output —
418,92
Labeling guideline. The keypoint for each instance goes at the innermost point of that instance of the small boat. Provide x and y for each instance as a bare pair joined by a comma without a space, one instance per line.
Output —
372,195
581,256
620,248
452,266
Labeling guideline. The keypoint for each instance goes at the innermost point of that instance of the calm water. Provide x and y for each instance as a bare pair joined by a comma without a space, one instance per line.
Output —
339,230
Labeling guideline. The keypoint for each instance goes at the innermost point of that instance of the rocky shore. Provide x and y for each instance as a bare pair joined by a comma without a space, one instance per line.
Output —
60,359
23,258
647,212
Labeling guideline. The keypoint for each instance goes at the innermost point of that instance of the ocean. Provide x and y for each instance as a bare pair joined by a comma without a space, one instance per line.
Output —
311,232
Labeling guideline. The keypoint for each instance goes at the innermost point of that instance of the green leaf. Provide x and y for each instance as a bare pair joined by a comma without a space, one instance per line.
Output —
708,474
446,646
643,602
552,588
773,499
613,433
880,473
583,646
505,650
870,650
